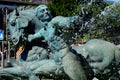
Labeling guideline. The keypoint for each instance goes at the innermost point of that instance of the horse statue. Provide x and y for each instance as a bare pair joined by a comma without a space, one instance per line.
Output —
20,25
38,61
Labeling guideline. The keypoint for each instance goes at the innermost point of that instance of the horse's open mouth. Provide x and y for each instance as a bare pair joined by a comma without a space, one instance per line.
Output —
15,41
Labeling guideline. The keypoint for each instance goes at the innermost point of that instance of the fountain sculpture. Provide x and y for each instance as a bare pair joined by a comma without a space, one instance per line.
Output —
46,53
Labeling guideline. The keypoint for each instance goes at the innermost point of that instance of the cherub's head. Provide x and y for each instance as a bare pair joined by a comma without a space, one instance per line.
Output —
43,13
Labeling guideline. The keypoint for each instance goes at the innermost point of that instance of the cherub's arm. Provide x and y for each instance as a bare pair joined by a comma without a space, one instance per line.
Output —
46,32
63,21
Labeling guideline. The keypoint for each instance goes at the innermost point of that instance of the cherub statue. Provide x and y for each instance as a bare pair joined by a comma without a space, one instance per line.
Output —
60,59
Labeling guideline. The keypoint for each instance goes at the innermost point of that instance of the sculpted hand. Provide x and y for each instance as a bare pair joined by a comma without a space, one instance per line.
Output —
30,37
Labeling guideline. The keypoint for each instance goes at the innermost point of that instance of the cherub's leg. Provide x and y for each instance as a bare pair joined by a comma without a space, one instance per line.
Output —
44,67
13,71
26,69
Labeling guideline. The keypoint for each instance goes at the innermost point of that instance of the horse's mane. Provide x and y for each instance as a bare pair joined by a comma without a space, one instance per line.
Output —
27,11
25,7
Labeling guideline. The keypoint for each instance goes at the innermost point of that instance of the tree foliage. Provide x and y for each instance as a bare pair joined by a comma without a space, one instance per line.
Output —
62,7
107,26
104,27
